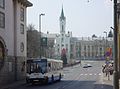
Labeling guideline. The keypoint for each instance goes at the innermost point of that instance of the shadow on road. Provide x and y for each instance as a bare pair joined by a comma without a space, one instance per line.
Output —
103,86
71,84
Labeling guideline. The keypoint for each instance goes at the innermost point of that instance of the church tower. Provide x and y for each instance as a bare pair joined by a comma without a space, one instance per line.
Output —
62,22
62,46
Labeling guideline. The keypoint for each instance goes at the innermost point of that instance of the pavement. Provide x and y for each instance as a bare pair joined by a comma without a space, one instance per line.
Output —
106,80
14,85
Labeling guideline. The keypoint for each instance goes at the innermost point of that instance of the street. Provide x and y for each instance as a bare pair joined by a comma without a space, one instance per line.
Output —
77,77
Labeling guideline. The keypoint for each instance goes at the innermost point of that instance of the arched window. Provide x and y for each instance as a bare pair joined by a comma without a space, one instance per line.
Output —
1,55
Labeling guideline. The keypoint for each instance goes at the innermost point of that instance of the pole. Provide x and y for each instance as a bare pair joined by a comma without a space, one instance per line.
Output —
116,79
105,46
40,32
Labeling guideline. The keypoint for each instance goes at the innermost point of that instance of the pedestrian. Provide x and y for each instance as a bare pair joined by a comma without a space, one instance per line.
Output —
103,69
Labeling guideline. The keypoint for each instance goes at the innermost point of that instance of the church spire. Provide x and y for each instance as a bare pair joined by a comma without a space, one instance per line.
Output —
62,14
62,22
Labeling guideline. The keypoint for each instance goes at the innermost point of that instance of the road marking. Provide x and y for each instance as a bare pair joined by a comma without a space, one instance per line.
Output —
90,74
95,74
81,74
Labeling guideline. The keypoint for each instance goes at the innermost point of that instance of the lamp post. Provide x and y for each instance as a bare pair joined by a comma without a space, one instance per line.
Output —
105,43
116,79
40,30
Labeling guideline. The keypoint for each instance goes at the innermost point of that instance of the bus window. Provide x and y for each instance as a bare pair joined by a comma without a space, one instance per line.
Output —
49,65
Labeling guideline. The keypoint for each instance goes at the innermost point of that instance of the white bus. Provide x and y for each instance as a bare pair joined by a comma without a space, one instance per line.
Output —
43,70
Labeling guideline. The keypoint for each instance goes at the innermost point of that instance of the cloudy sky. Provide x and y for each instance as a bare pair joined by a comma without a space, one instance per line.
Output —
84,18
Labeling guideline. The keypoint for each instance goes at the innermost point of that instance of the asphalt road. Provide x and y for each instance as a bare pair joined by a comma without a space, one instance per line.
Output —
77,77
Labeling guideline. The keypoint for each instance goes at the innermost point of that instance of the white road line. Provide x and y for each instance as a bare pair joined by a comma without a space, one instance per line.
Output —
81,74
90,74
95,74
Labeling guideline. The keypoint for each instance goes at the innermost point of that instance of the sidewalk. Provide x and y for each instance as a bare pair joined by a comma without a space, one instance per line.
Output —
107,81
14,85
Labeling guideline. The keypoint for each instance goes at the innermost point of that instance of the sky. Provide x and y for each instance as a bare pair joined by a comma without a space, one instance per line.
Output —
83,17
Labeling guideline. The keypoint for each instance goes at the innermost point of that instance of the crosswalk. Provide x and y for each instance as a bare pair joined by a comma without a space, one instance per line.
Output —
91,74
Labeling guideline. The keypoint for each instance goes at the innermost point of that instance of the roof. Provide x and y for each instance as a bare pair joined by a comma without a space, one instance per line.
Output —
25,3
62,14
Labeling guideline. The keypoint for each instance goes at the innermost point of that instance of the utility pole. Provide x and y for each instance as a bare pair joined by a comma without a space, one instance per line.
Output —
105,46
40,32
116,78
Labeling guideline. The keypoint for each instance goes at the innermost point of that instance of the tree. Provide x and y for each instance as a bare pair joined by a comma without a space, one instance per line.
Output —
110,34
94,36
33,42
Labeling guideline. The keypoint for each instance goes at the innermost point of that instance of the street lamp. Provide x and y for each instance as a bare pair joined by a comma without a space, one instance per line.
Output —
116,79
40,30
105,43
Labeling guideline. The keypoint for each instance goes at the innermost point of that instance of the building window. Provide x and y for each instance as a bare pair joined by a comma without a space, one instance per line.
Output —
22,29
22,14
62,28
2,20
58,50
22,47
62,40
2,3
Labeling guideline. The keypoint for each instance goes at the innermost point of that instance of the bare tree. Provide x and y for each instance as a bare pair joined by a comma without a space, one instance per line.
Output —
33,42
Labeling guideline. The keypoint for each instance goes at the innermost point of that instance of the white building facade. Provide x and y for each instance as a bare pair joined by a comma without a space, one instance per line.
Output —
98,48
12,39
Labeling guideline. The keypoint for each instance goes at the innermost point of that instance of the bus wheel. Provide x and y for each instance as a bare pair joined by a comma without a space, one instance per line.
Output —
46,80
59,76
52,79
27,81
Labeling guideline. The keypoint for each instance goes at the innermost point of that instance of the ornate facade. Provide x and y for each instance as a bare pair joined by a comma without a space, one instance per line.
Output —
12,39
94,48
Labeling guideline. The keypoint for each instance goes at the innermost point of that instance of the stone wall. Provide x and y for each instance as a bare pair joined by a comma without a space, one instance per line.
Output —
13,70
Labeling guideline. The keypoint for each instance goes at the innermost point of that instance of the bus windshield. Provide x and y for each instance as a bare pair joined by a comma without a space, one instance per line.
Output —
36,67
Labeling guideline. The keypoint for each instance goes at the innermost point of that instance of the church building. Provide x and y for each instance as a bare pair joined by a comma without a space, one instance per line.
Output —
62,45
